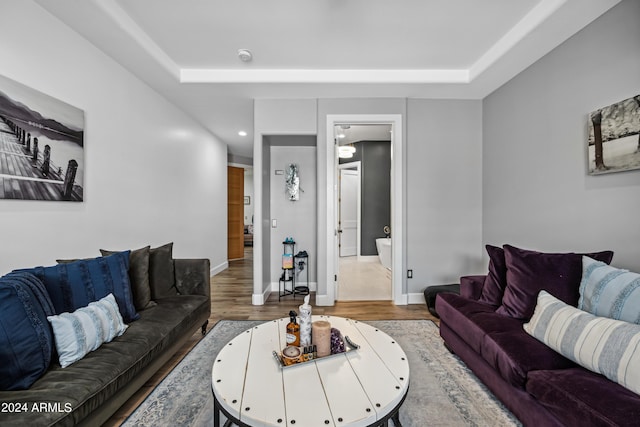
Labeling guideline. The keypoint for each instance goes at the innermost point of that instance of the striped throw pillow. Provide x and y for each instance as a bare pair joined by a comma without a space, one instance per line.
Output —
609,292
83,331
606,346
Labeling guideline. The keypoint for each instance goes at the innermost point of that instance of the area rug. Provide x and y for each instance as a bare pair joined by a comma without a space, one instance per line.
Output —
443,391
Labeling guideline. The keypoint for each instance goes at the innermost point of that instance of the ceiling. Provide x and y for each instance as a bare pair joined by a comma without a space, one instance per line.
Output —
351,133
187,50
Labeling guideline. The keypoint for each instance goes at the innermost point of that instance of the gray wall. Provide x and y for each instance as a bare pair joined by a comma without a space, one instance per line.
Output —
444,191
272,117
263,221
375,191
536,191
442,166
295,219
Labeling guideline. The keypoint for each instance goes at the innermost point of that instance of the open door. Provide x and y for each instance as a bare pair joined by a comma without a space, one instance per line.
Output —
235,212
348,211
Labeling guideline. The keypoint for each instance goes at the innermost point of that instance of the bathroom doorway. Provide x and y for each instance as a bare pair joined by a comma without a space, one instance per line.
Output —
328,227
364,211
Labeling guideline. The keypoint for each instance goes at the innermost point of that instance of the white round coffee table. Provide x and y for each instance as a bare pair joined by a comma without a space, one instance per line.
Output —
364,387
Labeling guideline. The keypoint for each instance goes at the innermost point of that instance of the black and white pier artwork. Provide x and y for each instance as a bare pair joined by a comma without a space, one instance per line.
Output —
41,145
614,137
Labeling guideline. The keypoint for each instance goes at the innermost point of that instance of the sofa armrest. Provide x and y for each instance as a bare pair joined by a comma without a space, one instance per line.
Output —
471,286
193,276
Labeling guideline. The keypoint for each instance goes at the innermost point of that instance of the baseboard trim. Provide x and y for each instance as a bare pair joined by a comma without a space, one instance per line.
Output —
324,300
416,298
219,268
259,299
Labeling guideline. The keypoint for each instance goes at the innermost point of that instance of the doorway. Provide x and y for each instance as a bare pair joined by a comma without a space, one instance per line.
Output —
364,211
235,212
398,295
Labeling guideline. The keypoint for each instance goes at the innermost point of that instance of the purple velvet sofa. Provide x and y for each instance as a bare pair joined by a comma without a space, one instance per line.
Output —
483,326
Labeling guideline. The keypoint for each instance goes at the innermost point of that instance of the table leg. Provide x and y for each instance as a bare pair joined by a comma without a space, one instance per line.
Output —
216,413
396,419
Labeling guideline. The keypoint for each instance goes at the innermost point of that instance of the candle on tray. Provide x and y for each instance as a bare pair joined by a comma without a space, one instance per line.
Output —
321,336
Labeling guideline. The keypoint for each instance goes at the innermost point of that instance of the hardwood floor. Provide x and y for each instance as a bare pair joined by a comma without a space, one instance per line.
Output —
231,292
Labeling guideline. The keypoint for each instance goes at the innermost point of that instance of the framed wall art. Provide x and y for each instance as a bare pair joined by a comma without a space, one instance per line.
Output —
41,146
614,137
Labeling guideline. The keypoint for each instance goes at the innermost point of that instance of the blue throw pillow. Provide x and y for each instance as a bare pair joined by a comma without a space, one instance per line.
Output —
26,340
74,285
609,292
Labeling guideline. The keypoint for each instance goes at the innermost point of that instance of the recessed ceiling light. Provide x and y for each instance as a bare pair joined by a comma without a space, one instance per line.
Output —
245,55
242,133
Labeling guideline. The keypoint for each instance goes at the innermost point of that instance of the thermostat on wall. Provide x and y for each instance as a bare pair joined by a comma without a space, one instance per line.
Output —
279,172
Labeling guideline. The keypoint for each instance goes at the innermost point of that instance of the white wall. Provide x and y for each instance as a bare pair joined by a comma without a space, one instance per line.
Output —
444,191
536,191
297,219
152,175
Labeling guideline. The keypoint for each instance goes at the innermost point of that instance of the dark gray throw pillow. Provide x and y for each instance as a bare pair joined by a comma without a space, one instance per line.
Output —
161,272
138,276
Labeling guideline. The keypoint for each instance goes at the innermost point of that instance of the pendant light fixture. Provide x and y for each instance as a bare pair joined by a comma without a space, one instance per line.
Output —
346,151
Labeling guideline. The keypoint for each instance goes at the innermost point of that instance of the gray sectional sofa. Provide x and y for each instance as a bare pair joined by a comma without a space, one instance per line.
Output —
92,389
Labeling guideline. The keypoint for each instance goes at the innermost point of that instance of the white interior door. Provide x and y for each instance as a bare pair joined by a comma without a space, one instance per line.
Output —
348,225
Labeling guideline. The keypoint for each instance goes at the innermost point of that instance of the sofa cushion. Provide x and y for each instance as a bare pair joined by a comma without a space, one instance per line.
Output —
460,312
78,333
609,292
606,346
76,284
26,343
138,276
528,272
578,397
513,354
496,281
161,272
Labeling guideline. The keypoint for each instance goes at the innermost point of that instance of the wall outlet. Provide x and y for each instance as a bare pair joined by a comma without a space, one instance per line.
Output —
274,223
409,274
